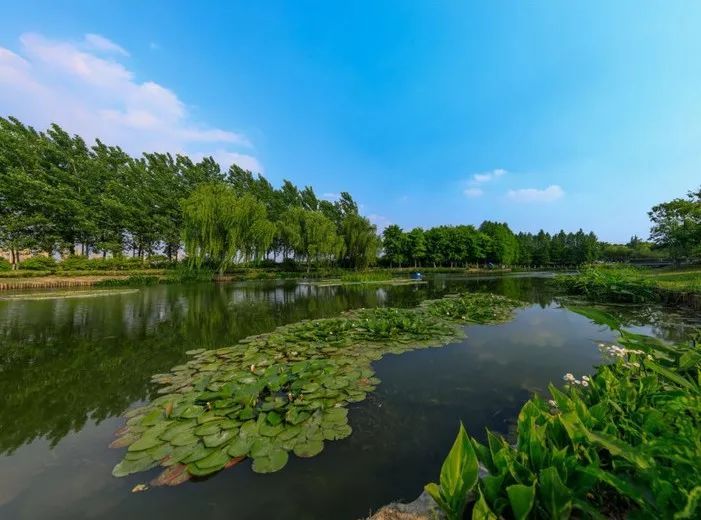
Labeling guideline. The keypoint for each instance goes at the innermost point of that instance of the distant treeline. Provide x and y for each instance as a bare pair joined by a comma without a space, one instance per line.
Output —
60,195
495,243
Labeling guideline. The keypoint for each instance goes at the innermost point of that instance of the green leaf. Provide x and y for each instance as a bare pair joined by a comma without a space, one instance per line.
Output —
553,494
692,504
521,498
481,510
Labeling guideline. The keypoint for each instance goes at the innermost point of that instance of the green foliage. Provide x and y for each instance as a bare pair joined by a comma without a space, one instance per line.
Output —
221,227
310,234
623,442
620,284
360,241
38,263
458,477
271,394
136,280
367,276
676,226
5,264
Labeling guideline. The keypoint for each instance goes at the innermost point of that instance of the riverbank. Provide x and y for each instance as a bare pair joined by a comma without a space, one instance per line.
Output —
630,285
21,280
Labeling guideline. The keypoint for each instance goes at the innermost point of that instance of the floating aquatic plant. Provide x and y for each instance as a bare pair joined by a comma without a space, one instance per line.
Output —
281,392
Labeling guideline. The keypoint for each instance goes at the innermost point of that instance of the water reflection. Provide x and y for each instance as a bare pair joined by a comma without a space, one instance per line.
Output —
69,367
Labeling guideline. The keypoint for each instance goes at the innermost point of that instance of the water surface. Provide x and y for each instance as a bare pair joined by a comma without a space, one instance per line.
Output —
69,367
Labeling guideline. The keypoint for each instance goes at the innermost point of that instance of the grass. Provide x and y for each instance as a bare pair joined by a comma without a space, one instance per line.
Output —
628,284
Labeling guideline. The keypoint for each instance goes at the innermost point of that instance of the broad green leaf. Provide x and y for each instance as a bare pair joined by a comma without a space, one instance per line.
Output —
553,494
521,498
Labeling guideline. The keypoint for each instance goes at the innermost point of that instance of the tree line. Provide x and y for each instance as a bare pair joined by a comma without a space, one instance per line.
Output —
490,243
60,195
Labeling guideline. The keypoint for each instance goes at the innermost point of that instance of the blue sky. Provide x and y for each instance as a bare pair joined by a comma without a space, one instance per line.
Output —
541,114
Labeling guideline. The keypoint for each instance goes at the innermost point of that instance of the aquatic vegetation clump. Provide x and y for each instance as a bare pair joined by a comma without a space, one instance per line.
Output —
621,284
281,392
621,443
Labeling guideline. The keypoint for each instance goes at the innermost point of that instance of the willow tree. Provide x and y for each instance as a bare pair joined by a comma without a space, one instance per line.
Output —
220,227
360,241
311,235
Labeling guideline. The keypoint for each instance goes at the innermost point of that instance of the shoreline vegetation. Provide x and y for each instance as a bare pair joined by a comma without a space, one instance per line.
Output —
622,442
633,285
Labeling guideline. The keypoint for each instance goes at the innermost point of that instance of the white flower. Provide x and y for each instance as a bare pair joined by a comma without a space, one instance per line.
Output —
586,378
568,377
585,383
552,403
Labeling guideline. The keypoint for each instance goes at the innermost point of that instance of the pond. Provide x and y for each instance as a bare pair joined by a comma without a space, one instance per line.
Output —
70,366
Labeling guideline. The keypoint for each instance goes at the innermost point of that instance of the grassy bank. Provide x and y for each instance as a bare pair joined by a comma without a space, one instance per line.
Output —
620,443
631,285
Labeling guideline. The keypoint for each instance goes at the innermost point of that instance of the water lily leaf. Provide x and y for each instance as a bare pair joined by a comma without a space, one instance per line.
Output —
145,442
274,418
207,429
172,476
184,438
261,447
274,461
269,430
216,459
176,429
189,412
197,452
152,418
124,440
337,432
308,448
240,446
217,439
127,467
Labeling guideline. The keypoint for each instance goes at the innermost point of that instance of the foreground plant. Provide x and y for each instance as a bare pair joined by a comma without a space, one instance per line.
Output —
625,442
281,392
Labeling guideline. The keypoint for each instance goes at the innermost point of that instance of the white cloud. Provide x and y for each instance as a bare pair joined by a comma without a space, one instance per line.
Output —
549,194
100,43
380,221
480,178
98,97
473,192
331,196
226,159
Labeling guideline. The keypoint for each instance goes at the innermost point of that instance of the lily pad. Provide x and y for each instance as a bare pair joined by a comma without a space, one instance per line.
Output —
309,448
274,461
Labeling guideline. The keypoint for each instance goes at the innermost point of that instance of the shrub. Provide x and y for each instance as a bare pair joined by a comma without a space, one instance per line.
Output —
38,263
5,264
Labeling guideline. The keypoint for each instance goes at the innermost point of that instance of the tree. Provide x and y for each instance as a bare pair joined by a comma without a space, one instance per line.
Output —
360,241
503,248
676,226
220,227
311,234
416,246
394,244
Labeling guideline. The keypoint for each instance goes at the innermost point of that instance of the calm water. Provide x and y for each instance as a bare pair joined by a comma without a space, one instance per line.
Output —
69,367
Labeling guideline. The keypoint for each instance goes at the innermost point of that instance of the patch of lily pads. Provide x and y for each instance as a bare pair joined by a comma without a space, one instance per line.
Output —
283,392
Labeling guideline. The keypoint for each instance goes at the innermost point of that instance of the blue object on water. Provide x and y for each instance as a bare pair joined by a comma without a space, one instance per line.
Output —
416,276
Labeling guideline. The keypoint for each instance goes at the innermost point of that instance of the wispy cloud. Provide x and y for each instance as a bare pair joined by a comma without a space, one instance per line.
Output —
226,159
473,192
549,194
481,178
84,88
100,43
331,196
